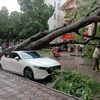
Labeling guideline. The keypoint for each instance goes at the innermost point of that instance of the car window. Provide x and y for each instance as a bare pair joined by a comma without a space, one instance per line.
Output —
29,55
9,55
13,55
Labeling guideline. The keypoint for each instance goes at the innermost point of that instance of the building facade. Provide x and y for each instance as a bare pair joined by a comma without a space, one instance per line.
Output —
57,19
68,7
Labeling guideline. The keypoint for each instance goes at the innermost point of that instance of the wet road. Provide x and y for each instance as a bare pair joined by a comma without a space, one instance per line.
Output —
84,66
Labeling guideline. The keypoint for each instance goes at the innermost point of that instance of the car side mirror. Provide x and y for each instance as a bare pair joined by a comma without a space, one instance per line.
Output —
6,54
17,58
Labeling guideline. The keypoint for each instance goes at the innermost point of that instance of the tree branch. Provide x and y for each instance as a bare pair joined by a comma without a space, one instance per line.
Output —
31,39
77,32
68,42
43,39
91,11
71,19
41,43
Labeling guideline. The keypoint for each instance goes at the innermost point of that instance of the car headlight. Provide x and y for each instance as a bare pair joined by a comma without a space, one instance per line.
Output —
41,67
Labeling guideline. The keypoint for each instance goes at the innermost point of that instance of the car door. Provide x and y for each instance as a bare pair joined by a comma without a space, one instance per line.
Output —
11,64
16,64
6,62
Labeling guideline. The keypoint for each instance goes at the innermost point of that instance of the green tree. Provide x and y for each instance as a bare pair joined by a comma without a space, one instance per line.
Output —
90,49
36,15
34,18
83,7
10,24
4,22
43,39
15,25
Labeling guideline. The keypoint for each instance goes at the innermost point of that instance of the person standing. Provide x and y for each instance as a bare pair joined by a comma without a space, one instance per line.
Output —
96,58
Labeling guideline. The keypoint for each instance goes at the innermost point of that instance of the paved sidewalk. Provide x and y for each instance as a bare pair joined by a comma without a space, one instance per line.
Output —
13,87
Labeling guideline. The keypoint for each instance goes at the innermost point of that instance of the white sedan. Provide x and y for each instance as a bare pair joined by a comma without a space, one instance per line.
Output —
29,64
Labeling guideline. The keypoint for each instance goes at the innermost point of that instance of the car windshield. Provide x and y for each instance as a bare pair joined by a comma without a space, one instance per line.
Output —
29,55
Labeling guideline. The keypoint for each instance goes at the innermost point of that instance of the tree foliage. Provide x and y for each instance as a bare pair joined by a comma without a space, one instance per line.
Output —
9,24
43,39
76,84
4,22
15,25
83,8
36,16
91,48
24,24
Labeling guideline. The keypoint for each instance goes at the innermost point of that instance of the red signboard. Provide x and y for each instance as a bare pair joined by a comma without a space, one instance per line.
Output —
68,36
85,33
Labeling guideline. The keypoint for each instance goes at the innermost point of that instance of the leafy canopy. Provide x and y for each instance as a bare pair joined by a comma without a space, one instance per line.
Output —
33,18
84,7
36,16
4,22
71,82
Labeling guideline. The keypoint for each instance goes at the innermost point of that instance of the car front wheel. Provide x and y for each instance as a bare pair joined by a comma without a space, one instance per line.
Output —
28,73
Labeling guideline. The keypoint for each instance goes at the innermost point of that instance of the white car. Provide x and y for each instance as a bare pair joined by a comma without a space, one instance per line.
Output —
29,64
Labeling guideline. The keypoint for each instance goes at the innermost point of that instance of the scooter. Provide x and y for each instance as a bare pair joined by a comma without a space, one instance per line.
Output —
56,54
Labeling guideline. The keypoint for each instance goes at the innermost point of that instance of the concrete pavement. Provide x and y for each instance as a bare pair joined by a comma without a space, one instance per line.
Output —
14,87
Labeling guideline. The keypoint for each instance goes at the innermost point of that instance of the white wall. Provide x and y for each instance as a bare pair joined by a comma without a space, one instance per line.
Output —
59,14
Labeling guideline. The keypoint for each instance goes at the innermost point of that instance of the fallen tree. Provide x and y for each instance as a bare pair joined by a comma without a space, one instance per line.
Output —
43,39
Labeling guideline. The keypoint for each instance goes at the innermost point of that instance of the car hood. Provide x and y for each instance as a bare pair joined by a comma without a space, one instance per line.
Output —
45,62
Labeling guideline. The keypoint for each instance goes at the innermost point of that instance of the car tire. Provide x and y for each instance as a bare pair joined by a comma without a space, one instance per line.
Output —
28,73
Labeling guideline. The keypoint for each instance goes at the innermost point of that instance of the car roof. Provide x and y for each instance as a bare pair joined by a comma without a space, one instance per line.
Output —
21,51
